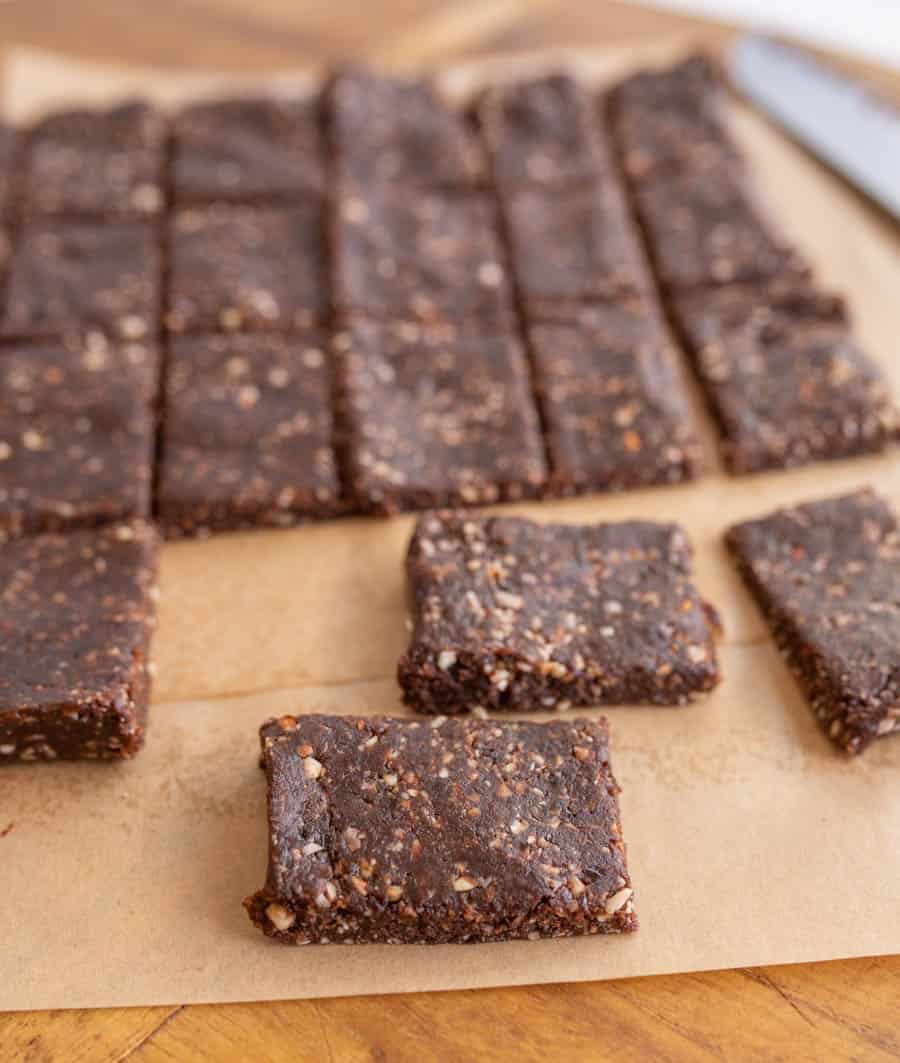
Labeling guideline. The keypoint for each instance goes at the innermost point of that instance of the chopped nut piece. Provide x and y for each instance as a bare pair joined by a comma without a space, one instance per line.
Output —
280,917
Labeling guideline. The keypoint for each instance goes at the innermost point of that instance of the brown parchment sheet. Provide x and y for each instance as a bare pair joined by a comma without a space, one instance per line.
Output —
751,839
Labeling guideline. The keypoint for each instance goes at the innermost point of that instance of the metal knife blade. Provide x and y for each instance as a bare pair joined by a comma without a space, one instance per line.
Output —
836,118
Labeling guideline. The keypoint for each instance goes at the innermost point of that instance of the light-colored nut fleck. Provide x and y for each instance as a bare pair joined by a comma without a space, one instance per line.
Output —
312,768
352,839
359,884
5,451
576,886
311,848
446,660
463,884
394,893
517,826
618,900
280,917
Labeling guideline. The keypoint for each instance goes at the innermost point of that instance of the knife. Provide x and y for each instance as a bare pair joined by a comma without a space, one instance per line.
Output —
838,119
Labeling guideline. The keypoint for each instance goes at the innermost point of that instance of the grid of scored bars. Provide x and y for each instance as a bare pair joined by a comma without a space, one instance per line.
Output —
263,311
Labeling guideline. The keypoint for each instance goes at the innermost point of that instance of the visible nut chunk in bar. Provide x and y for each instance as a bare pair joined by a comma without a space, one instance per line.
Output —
542,132
510,614
426,257
97,163
436,416
249,150
247,433
827,577
401,831
76,434
710,229
76,615
240,268
572,246
614,409
392,132
67,278
784,376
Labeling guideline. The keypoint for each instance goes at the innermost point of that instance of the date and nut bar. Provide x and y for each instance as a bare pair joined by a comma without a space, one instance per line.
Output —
77,612
511,614
826,575
454,830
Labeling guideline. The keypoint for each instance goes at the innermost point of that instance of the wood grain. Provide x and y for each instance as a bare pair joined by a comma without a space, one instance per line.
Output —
842,1010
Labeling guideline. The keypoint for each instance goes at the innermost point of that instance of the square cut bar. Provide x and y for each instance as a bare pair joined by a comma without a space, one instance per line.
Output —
97,163
436,416
247,433
238,268
509,614
572,246
613,406
670,121
399,831
76,616
76,434
707,229
429,257
827,578
67,278
541,132
391,132
784,377
248,150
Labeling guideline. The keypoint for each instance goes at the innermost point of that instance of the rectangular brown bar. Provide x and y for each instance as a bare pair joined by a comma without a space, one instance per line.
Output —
709,228
243,268
251,150
67,278
393,132
76,434
541,132
76,615
613,406
827,577
436,416
510,614
404,832
784,377
95,164
672,120
248,435
572,246
429,257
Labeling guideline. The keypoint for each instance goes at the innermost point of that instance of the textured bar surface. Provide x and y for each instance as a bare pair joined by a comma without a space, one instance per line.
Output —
248,150
510,614
76,434
247,433
247,268
784,377
437,416
76,616
401,831
97,163
67,278
613,407
827,578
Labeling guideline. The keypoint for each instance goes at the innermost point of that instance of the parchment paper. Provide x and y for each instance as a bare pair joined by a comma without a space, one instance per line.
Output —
751,839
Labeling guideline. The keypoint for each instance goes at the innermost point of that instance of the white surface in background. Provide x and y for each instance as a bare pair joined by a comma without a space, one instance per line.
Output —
870,27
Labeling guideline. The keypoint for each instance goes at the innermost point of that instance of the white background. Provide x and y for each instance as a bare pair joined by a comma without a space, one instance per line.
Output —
869,27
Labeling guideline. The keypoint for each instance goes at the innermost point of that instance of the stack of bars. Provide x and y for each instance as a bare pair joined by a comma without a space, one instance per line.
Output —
268,310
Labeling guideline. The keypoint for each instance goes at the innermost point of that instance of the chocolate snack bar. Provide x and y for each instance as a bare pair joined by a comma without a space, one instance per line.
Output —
458,830
510,614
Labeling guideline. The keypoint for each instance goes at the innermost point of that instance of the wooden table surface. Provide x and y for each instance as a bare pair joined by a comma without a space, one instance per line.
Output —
839,1010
